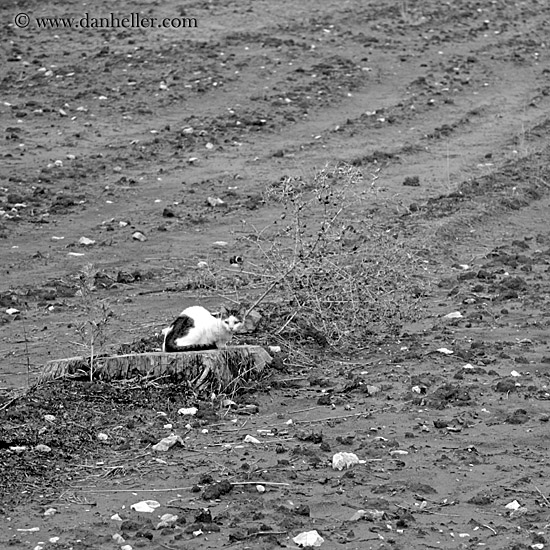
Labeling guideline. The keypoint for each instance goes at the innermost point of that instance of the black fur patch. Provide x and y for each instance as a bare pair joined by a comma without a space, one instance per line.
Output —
199,347
179,328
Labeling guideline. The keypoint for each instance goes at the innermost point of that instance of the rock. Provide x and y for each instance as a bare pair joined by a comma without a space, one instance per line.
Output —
345,460
188,411
309,538
139,236
144,506
453,315
167,443
85,241
215,201
251,321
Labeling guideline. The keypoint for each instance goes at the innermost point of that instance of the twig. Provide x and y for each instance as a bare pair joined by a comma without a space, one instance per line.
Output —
365,413
270,288
305,410
547,502
488,527
27,354
92,354
8,403
134,490
248,273
278,440
279,330
425,510
293,379
257,483
157,291
265,533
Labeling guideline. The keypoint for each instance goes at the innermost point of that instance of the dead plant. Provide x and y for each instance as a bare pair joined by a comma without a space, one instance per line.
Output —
97,315
343,277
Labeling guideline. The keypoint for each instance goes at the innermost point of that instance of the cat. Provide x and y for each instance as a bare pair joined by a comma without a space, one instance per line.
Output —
197,329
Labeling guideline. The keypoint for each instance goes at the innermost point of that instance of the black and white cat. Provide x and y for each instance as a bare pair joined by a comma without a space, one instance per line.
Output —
198,329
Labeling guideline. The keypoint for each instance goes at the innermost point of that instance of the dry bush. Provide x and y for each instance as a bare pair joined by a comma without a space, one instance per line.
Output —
342,277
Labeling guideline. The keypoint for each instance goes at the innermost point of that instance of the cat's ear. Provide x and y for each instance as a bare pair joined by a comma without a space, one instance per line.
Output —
222,312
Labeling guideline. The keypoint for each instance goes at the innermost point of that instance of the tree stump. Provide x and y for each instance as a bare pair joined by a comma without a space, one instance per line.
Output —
218,370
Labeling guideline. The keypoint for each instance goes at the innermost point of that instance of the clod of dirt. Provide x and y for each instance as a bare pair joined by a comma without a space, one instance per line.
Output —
449,394
347,439
514,283
508,295
519,416
168,213
412,181
312,457
134,525
216,491
124,277
204,516
302,510
314,437
206,479
144,534
324,400
506,385
440,424
481,499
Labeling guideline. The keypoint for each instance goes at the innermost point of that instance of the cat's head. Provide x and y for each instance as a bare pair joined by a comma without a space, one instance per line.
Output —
230,318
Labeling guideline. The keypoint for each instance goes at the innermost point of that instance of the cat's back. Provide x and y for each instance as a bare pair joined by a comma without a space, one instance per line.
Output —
198,313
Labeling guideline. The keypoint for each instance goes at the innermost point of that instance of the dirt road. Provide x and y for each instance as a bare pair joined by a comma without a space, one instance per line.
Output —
133,154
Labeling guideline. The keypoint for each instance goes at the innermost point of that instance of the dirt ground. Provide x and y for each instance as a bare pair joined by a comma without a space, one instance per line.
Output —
133,137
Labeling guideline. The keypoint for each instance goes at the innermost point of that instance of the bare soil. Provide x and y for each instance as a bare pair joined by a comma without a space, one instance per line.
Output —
107,132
